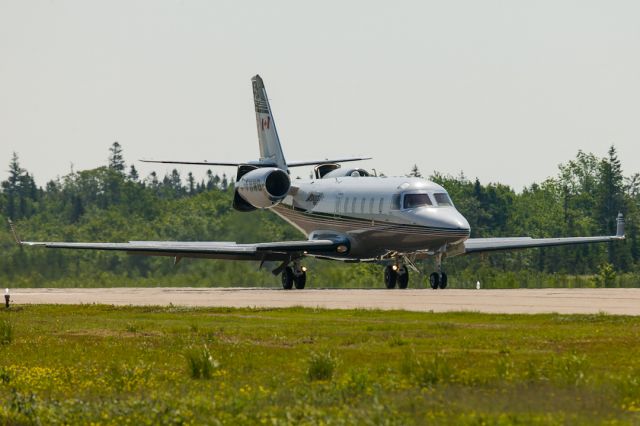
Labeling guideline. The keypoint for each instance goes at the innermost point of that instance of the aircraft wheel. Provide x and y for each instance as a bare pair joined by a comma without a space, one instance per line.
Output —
287,278
300,280
403,277
443,281
390,277
434,280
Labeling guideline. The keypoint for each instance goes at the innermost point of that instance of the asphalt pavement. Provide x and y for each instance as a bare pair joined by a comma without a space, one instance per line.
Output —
622,301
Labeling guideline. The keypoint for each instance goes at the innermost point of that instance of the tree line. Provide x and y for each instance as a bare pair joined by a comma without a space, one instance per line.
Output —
113,203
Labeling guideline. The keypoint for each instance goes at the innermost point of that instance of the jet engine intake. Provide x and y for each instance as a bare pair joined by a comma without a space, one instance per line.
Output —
264,187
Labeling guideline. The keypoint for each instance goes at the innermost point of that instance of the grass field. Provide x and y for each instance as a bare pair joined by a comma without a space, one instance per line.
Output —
141,365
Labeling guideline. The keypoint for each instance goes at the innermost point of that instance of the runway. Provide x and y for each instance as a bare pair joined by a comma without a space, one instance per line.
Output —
620,301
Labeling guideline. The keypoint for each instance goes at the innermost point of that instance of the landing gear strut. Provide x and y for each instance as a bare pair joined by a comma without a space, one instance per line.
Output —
296,275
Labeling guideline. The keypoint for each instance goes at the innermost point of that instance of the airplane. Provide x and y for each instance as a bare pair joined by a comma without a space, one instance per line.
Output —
346,213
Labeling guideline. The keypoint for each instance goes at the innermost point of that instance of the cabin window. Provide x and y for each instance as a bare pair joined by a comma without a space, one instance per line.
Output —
442,199
362,205
395,202
380,205
353,205
346,204
371,206
411,201
338,201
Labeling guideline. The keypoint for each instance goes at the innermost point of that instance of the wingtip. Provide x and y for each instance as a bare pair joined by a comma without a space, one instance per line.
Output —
13,231
620,225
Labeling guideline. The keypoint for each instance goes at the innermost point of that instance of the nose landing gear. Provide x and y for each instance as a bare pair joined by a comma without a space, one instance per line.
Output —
438,280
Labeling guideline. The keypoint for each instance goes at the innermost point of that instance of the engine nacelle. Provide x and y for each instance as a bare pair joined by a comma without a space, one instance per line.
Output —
264,187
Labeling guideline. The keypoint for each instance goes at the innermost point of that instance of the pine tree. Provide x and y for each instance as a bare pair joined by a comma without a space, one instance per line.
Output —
176,181
116,159
210,182
153,180
415,172
191,181
610,198
12,187
133,173
610,201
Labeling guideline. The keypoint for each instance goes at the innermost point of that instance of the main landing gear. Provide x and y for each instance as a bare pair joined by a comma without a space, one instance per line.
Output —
294,275
396,274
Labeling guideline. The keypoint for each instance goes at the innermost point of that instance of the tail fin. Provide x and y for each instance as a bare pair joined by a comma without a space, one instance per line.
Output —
270,149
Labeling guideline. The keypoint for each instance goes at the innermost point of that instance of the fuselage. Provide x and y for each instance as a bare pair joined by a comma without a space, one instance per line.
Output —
380,215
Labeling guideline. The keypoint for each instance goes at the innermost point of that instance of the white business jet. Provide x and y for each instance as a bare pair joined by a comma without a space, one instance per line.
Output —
347,214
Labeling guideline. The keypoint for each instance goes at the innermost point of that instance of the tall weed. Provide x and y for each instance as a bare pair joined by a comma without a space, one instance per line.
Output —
321,366
200,363
434,370
6,332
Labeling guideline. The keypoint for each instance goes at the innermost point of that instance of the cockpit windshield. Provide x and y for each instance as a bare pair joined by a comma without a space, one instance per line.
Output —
443,199
412,201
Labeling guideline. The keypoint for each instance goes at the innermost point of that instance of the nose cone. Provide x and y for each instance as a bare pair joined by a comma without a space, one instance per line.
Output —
447,218
458,221
444,218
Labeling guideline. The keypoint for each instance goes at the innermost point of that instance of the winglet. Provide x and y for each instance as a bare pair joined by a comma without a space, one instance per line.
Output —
13,231
620,225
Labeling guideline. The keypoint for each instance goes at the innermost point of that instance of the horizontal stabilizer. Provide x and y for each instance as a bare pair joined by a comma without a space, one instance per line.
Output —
197,163
319,162
258,163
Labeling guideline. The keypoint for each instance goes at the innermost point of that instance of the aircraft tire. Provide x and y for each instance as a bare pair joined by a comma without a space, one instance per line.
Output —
300,280
390,277
403,277
434,280
443,281
287,278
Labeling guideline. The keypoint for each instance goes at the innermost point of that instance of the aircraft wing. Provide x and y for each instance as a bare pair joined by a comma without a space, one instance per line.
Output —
281,250
213,250
478,245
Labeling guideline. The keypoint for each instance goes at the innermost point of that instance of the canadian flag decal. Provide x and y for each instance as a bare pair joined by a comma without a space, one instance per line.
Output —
265,123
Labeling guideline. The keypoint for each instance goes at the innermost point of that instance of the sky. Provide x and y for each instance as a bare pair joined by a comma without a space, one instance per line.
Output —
500,90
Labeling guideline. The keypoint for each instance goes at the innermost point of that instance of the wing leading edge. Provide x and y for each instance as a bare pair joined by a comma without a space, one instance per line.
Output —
280,250
478,245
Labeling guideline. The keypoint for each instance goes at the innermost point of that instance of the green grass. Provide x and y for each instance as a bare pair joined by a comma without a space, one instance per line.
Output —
152,365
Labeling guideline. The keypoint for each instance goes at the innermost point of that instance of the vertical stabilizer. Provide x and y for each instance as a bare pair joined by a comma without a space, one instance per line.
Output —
270,149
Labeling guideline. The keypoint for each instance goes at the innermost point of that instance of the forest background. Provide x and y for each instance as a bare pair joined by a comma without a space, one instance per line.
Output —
113,203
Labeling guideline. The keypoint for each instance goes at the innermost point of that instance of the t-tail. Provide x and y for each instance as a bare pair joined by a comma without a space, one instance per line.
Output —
263,183
270,148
